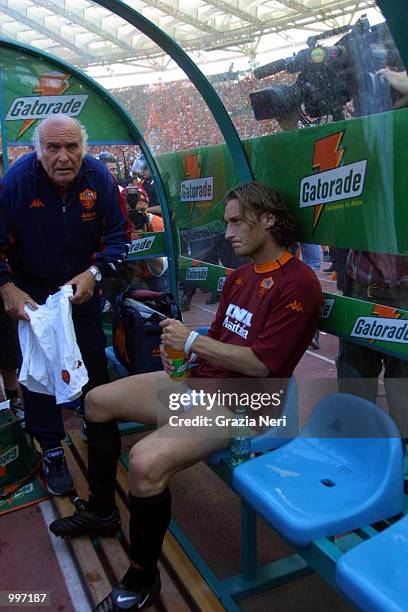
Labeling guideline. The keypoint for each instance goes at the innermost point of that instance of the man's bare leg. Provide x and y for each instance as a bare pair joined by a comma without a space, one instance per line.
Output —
152,462
135,398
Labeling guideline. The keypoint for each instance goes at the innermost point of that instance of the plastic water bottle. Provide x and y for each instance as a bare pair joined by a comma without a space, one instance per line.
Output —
241,442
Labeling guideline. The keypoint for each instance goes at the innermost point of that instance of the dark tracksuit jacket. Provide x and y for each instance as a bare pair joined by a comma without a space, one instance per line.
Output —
45,240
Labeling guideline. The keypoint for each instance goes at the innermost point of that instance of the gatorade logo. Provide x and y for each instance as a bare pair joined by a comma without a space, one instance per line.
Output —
221,282
333,181
203,232
23,491
39,107
197,273
9,456
197,190
334,185
141,244
326,308
374,328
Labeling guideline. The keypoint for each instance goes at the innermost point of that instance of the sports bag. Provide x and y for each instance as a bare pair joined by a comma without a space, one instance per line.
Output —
136,329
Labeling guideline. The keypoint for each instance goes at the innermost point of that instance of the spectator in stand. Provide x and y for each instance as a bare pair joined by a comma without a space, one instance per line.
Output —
148,185
111,163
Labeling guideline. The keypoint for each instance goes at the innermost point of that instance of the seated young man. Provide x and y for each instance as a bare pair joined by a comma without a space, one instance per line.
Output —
264,323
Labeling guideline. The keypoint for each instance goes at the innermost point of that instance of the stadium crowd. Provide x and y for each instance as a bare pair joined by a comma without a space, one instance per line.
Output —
174,117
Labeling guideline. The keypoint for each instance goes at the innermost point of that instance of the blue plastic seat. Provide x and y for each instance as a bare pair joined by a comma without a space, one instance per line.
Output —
374,574
273,437
342,472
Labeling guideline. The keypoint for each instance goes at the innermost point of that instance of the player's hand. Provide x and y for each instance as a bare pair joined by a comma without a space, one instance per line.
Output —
84,285
167,363
14,301
174,334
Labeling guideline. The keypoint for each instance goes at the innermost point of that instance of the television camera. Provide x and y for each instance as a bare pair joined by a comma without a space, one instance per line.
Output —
331,76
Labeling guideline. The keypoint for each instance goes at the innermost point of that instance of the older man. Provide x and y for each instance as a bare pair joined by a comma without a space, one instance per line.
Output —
60,223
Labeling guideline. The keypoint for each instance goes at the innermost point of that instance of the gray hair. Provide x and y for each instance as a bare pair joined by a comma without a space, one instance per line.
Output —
36,139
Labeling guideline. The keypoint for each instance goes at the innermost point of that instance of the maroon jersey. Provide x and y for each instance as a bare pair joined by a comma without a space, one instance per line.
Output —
273,309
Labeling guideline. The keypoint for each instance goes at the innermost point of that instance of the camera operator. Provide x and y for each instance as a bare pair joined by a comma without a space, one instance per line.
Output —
399,81
328,78
382,279
151,273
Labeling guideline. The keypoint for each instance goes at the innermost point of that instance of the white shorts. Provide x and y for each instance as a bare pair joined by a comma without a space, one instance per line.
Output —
52,362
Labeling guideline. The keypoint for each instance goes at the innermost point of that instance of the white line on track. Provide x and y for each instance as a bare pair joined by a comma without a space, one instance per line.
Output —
63,555
322,357
204,308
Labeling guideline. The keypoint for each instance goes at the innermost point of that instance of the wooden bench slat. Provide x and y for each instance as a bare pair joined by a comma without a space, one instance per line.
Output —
187,573
170,596
93,572
113,550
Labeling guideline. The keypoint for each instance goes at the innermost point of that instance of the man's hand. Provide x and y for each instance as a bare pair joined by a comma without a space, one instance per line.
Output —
167,363
174,334
14,301
397,80
85,285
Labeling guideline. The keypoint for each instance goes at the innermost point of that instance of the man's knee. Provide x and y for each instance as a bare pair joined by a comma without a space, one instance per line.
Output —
147,472
96,408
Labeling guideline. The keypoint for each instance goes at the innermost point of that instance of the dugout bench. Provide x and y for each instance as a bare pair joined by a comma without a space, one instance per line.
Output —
357,480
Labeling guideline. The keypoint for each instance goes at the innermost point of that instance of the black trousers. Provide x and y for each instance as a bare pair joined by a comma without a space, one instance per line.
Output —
42,415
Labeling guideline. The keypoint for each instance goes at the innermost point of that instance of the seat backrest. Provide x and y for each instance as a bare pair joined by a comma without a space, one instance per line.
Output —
358,433
342,415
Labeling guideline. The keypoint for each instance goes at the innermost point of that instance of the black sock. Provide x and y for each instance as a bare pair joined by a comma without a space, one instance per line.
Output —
11,393
149,520
103,455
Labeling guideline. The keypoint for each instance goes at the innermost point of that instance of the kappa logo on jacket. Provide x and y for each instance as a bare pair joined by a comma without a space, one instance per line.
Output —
36,203
296,306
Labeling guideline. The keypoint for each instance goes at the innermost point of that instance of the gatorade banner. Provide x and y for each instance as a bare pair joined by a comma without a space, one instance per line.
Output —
196,182
28,495
33,89
202,274
146,245
345,182
379,327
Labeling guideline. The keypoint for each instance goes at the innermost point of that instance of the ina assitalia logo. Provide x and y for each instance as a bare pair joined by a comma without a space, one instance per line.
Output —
334,180
386,326
48,101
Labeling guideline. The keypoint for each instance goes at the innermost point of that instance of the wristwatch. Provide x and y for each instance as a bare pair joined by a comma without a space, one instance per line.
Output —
96,273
